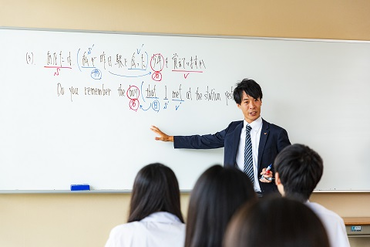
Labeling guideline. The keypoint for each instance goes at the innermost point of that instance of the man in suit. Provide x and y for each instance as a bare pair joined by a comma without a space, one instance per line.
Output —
267,139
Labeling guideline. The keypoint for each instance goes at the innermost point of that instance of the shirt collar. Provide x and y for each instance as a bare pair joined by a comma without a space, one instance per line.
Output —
162,217
256,124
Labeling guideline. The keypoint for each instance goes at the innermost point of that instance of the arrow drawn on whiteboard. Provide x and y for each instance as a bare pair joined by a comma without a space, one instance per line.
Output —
142,108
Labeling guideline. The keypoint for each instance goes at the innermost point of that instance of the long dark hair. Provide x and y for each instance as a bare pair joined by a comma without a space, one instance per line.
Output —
155,189
217,194
276,222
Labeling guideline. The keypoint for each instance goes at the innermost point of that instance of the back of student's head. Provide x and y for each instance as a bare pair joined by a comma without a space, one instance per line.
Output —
217,194
250,87
300,169
275,222
155,189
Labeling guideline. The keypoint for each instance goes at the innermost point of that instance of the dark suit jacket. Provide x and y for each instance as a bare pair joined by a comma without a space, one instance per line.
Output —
273,140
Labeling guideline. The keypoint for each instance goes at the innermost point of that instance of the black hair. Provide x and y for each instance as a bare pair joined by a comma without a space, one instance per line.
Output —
250,87
276,222
300,169
217,194
155,189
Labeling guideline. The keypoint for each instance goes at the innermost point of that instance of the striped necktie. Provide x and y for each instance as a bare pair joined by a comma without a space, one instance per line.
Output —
248,157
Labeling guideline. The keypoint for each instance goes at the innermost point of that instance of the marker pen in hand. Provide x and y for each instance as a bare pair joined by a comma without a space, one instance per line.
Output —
267,171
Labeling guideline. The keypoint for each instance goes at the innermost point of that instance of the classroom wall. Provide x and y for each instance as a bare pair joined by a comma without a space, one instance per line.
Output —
37,220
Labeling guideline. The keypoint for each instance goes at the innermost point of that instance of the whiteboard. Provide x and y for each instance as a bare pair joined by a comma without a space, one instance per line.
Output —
76,107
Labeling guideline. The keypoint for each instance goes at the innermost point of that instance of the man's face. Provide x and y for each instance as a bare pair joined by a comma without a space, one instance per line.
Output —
250,107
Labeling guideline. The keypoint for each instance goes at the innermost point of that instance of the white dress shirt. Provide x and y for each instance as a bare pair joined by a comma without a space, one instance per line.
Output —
159,229
255,138
333,224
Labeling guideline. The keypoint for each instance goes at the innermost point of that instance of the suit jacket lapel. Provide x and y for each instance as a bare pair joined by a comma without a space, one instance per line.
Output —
264,134
236,138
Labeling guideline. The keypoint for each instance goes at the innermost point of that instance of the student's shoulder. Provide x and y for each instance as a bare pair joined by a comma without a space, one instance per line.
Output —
127,228
324,212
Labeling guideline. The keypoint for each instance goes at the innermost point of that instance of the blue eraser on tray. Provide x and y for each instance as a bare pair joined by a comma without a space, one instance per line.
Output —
75,187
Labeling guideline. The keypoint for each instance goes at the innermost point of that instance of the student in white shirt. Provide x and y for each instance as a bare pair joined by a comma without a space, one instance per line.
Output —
298,169
155,218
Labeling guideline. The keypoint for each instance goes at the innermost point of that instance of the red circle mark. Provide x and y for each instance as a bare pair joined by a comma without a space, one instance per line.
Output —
157,62
134,104
133,92
157,76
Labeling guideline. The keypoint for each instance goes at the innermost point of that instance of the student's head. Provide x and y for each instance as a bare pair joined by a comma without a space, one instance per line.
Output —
275,222
298,169
248,97
155,189
217,194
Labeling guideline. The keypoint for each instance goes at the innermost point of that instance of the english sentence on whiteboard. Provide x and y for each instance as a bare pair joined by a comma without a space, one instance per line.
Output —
146,97
138,64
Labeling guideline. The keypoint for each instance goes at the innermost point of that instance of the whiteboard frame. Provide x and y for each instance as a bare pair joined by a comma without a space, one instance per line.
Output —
169,35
